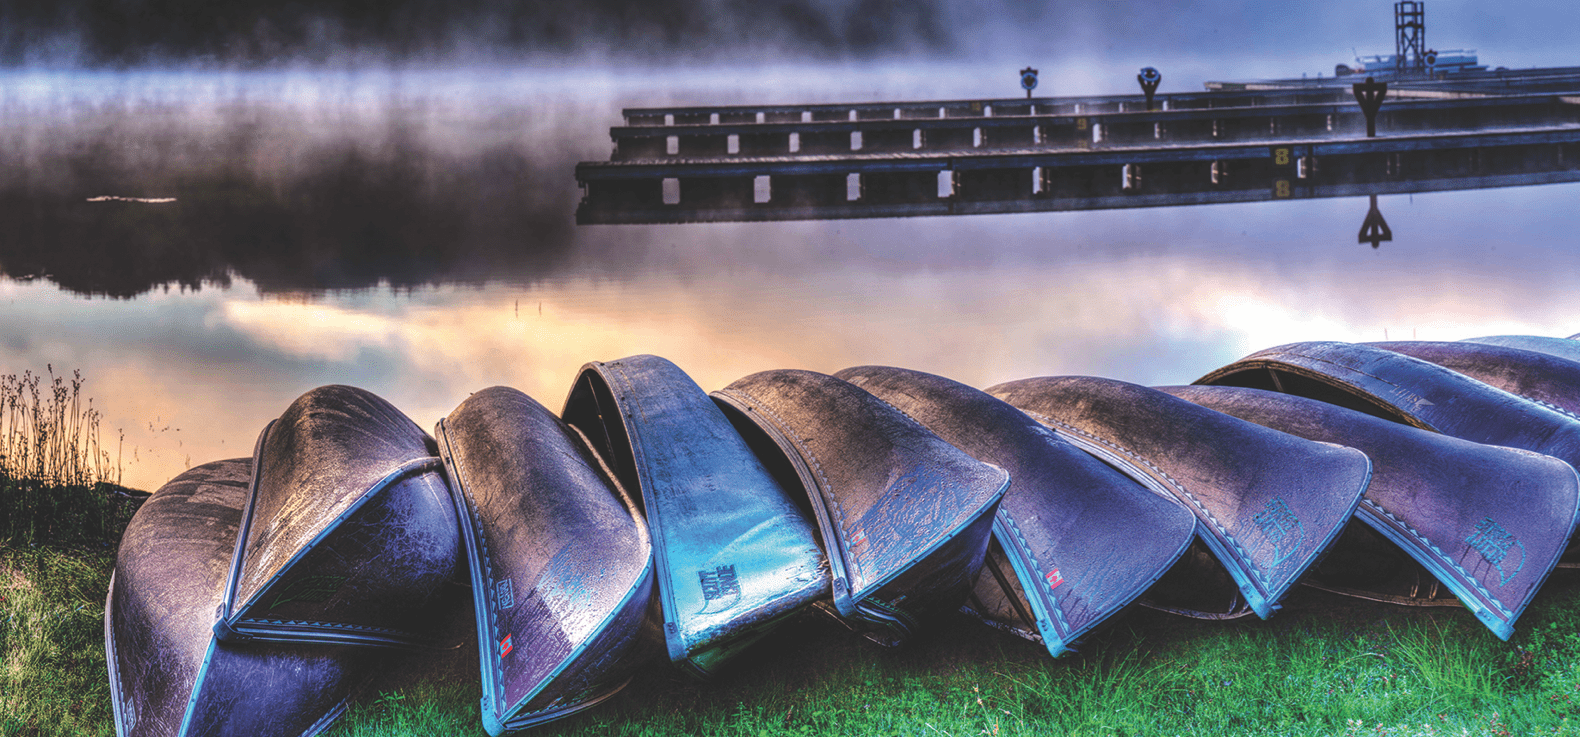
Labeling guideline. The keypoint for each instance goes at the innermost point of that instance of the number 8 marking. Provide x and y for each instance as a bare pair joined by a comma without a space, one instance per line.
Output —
1281,157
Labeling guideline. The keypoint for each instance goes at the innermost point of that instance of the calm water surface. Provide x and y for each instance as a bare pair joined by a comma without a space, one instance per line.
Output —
413,234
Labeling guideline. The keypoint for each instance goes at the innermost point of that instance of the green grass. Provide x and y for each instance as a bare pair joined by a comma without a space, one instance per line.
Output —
53,679
61,513
1324,666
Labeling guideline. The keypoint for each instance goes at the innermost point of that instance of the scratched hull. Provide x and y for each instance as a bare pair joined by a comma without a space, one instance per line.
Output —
1565,348
905,517
349,535
1408,390
1534,375
1056,568
1488,522
1267,504
561,564
733,555
169,674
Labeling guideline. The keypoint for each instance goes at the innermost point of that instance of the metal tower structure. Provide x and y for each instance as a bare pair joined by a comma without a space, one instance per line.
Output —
1409,23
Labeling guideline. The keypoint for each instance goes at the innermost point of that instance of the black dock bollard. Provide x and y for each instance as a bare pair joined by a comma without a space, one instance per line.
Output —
1374,229
1370,94
1149,78
1028,80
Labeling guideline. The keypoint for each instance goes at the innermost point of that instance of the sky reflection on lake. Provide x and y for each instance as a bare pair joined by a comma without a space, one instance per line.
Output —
412,235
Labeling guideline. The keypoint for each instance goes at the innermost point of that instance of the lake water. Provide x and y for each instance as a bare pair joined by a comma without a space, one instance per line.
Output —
412,234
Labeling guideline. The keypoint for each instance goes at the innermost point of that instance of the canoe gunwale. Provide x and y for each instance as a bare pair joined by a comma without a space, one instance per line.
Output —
843,597
1259,593
864,605
231,623
1055,633
1349,389
480,568
112,660
593,376
1474,597
640,404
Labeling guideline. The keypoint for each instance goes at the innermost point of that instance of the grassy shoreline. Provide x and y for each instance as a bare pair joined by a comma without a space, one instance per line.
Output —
1325,665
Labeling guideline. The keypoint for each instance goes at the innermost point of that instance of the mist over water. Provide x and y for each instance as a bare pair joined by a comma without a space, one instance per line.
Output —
399,218
344,34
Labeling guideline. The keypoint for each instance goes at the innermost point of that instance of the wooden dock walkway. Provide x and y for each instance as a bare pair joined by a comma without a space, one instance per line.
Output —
960,156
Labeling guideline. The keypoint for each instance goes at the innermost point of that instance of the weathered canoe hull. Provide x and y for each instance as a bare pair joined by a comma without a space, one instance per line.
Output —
1267,504
1450,504
733,554
561,562
169,675
904,516
1074,540
349,535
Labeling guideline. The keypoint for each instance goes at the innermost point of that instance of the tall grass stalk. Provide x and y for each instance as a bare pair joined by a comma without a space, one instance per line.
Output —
58,484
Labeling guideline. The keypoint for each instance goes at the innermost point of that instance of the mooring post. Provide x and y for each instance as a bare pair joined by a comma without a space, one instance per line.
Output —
1374,229
1028,80
1149,78
1370,95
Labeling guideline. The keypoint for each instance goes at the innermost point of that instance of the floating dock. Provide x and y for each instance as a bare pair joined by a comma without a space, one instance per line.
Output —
1271,140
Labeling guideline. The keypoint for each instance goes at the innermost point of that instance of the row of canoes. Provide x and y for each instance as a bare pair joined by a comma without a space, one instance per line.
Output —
260,595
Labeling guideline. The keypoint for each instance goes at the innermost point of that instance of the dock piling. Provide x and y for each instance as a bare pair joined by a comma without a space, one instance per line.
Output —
1149,78
1370,95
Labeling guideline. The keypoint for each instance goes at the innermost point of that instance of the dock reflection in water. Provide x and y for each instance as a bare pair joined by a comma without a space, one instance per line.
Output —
417,239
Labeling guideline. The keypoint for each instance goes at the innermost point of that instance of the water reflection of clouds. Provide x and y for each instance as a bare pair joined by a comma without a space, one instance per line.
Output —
361,170
215,365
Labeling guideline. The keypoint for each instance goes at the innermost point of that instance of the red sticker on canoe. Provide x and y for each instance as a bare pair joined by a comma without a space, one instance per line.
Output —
1054,579
504,646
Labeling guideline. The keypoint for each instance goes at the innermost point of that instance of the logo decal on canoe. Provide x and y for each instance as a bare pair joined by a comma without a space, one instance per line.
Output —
719,583
1281,532
1054,579
308,590
921,505
507,597
505,647
1500,548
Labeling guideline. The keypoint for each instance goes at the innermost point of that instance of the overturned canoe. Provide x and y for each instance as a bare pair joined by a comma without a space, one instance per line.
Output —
1405,389
561,564
1537,376
1267,504
733,555
1565,348
169,674
1488,522
348,536
1074,541
905,517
